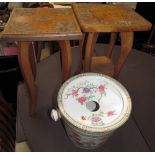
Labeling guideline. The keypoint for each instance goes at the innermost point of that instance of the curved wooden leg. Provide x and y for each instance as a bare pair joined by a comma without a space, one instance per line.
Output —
91,40
32,57
26,68
111,44
66,59
81,42
126,46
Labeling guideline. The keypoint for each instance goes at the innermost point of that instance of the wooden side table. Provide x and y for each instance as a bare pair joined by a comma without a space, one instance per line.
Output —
95,18
41,24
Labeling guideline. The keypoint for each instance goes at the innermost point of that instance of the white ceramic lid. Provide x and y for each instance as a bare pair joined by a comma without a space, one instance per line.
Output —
94,102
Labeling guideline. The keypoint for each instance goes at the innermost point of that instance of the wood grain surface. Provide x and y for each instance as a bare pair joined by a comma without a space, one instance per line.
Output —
109,18
42,24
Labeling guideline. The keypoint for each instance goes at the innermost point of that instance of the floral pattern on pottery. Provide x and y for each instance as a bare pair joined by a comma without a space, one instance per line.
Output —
111,113
86,92
96,119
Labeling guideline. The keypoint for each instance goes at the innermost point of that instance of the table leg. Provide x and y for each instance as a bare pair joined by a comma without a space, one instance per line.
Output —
81,43
66,57
126,46
111,44
26,68
91,41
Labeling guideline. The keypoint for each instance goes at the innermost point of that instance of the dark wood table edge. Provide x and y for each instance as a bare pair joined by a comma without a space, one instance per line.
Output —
42,37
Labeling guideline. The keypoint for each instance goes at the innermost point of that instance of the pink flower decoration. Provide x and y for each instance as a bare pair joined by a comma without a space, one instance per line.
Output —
96,119
111,113
101,88
81,100
74,92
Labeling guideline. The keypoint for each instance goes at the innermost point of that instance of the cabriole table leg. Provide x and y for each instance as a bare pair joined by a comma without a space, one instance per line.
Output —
26,68
111,44
91,41
126,46
66,57
81,49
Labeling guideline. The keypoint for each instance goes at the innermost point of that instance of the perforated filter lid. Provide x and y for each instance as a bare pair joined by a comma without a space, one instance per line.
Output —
94,102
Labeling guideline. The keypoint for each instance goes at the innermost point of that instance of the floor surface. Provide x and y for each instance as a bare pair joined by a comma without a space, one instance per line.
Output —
137,134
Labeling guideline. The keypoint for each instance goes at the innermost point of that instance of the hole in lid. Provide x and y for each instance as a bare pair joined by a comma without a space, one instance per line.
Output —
92,106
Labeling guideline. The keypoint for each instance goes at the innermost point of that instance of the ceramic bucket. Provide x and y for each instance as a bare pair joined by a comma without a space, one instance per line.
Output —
92,106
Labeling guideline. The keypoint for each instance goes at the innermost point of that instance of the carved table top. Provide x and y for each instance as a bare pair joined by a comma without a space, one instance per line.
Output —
109,18
42,24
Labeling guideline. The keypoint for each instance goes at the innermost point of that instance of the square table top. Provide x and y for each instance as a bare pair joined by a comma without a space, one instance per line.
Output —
109,18
42,24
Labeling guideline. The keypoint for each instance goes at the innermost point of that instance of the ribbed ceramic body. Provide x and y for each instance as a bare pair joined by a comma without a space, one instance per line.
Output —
92,106
84,139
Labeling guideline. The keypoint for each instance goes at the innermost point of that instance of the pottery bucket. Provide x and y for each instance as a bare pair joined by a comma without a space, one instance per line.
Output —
92,106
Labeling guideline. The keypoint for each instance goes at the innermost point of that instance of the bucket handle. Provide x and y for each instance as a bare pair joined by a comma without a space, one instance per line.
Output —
55,115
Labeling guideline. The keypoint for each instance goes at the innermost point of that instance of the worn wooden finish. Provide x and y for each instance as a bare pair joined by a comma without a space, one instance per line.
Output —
95,18
111,44
109,18
81,49
26,68
126,46
91,41
40,24
27,25
109,68
66,57
106,63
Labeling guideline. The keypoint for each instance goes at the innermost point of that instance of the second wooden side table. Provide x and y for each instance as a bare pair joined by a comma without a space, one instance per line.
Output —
96,18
